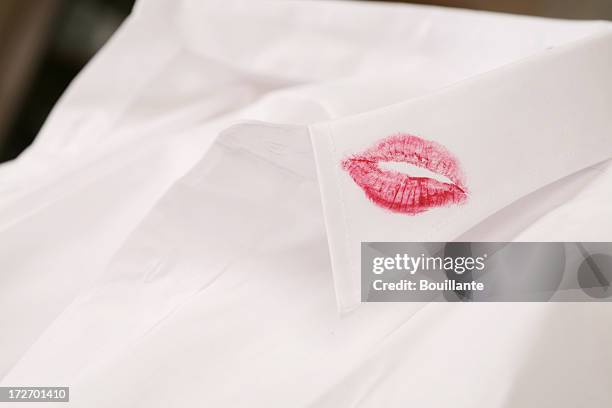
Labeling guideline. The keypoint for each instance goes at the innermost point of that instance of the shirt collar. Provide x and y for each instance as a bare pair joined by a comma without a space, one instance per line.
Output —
514,130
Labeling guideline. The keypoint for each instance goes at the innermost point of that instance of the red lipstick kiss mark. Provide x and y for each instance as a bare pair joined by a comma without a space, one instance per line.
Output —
401,192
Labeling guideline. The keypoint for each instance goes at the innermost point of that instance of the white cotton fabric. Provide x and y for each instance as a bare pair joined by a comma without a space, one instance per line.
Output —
165,239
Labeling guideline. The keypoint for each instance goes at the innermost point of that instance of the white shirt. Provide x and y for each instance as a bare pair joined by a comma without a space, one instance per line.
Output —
182,231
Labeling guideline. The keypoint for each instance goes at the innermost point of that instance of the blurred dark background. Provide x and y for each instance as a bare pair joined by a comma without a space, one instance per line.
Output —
45,43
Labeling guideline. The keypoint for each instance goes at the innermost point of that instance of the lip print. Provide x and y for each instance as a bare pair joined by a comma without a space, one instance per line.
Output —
402,193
